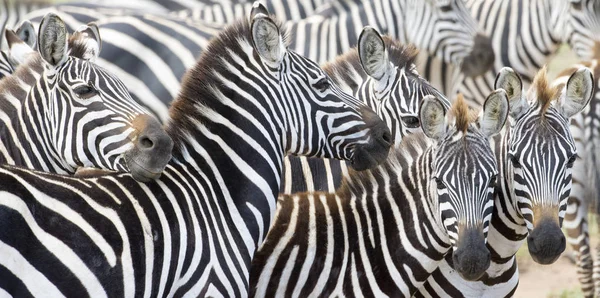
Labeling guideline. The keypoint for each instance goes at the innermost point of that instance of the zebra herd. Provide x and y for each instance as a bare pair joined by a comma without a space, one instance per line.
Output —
197,148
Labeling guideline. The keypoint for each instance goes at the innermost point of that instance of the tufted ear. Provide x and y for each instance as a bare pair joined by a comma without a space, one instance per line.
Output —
86,42
494,114
511,82
433,118
578,93
26,33
372,53
52,40
266,37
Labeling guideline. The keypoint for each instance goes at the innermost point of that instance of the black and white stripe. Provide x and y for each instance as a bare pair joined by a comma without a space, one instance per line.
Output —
194,231
386,229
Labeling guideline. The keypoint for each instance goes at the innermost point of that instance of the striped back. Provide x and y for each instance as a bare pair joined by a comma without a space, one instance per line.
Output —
74,114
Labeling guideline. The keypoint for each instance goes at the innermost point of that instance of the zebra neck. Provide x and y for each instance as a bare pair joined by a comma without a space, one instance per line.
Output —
22,116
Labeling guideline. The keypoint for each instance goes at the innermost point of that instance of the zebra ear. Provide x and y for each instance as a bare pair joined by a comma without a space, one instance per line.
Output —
579,91
26,33
86,42
494,114
511,82
372,53
433,118
265,35
52,40
18,50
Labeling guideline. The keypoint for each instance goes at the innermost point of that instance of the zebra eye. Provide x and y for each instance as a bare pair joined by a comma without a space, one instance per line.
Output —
440,183
514,160
576,5
446,8
411,121
492,181
572,160
85,91
322,85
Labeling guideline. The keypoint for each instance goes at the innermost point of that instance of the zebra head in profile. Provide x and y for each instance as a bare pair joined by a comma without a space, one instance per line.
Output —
72,113
464,170
583,25
446,29
541,152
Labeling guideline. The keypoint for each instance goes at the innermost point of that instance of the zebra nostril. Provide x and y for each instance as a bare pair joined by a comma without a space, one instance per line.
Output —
387,137
145,143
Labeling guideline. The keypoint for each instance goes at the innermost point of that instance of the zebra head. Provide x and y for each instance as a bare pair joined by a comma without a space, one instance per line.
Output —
464,170
345,128
447,30
583,27
541,152
393,87
91,117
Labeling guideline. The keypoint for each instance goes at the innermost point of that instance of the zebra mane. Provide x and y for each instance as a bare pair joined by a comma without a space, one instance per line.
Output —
200,84
402,56
398,161
545,92
462,114
14,84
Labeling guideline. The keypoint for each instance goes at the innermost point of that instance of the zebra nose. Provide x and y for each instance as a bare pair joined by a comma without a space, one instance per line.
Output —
375,151
151,151
481,58
546,242
471,258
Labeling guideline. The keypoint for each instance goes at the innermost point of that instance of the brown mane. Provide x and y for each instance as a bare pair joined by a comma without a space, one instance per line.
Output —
544,91
462,114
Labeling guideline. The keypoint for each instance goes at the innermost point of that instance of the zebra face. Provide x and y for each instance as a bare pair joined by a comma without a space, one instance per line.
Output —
393,87
93,120
583,27
541,152
337,124
447,30
464,173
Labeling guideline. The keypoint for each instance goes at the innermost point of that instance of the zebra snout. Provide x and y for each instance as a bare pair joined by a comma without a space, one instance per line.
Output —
481,58
151,151
471,258
546,242
375,151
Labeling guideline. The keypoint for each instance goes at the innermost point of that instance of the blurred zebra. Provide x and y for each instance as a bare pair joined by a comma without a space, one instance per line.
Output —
195,230
385,230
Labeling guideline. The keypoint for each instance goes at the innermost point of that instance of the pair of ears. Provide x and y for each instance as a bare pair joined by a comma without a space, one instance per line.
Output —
53,41
577,92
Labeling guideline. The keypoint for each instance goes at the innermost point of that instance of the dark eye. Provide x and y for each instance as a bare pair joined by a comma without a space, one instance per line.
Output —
411,121
446,8
572,160
440,183
576,5
514,160
322,85
85,91
493,181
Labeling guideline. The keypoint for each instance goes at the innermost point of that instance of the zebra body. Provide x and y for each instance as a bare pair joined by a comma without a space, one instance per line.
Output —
386,229
60,112
535,158
195,230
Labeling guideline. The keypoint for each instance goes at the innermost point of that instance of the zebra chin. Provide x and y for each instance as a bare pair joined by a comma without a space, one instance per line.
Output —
471,258
151,152
375,151
481,58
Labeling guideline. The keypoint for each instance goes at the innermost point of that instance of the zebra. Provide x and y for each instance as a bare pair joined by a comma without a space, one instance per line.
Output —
384,231
60,112
152,52
194,231
381,73
535,159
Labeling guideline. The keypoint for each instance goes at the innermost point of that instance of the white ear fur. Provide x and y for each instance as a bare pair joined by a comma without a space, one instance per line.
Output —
373,54
266,37
433,118
494,113
52,40
18,50
578,92
511,82
26,33
88,36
